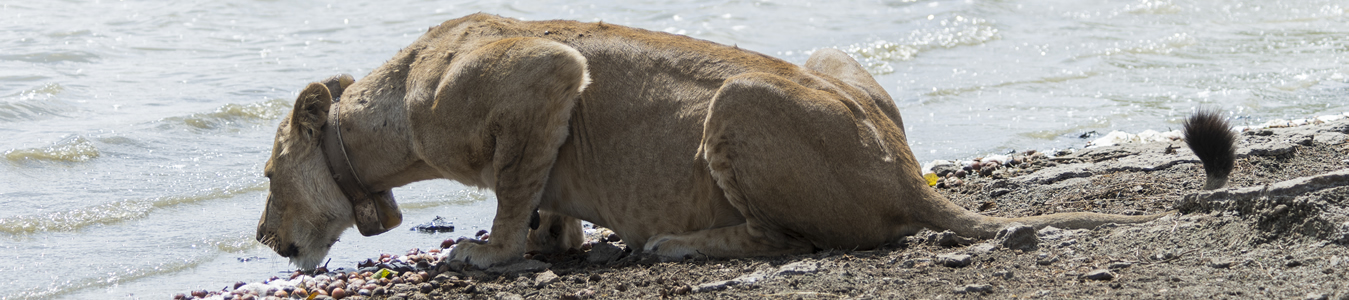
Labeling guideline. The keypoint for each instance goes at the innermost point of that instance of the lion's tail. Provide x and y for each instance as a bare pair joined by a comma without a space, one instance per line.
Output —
1211,138
1206,132
948,215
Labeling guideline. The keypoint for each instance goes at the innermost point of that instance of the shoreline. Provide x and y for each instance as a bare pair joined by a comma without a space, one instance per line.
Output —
1238,241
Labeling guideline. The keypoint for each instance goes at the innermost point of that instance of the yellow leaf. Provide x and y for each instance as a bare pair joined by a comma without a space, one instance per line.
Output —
931,179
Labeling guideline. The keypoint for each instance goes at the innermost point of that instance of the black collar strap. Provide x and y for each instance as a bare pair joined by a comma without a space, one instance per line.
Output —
363,202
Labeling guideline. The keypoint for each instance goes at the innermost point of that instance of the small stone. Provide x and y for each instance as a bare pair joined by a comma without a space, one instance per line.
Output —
998,192
961,174
338,293
953,260
523,266
1316,296
1044,259
544,279
1220,264
1018,237
982,248
954,182
1119,265
425,288
798,268
1099,274
302,293
509,296
943,170
603,253
447,243
974,288
1292,263
948,238
1164,256
281,294
179,296
1004,274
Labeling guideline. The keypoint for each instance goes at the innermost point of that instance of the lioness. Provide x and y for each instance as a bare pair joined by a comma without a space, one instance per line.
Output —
681,146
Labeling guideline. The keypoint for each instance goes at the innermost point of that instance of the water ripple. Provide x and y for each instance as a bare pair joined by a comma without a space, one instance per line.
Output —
115,212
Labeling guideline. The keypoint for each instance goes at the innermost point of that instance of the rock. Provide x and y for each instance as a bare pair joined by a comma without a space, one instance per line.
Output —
1004,274
797,268
915,263
509,296
943,169
524,266
752,278
949,239
1292,263
1044,259
1329,138
1017,237
981,248
1099,274
1055,174
1244,200
436,225
1119,265
544,279
1316,296
602,253
974,288
953,260
998,192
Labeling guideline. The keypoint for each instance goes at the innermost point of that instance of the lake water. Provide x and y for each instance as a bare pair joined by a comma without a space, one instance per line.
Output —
134,132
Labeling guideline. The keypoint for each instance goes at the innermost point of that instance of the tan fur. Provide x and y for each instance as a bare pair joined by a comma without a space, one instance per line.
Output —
681,146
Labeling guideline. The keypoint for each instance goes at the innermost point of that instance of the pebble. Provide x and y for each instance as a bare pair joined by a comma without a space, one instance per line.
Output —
1099,274
974,288
1119,265
1018,237
1004,274
953,260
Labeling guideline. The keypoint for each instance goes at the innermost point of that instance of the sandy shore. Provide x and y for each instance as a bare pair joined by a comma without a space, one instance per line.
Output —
1279,229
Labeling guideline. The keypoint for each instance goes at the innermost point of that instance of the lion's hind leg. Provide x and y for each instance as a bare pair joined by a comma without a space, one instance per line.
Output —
798,163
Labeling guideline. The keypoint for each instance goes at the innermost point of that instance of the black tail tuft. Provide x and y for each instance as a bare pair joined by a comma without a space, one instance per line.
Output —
1211,138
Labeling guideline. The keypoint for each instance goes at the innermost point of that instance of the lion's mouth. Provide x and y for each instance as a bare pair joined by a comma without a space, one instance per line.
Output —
270,240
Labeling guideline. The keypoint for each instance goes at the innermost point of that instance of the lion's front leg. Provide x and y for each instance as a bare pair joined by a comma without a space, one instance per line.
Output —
525,88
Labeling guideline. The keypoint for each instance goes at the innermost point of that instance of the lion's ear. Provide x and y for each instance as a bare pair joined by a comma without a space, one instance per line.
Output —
311,109
338,84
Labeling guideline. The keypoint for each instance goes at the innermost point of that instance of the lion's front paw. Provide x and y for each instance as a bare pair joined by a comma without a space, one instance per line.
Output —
484,256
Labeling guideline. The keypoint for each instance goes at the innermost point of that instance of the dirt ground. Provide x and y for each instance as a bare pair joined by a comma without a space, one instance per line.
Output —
1285,239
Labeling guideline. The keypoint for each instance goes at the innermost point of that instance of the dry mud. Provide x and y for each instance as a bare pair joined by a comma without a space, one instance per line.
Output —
1278,230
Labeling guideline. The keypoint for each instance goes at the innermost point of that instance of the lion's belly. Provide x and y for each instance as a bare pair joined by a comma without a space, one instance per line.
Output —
629,166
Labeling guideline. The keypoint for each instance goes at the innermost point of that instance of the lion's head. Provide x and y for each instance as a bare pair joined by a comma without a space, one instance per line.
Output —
306,209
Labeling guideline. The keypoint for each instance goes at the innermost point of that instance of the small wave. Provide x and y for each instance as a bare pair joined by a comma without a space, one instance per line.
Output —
114,212
128,274
33,104
951,32
233,244
73,149
231,114
53,57
1153,7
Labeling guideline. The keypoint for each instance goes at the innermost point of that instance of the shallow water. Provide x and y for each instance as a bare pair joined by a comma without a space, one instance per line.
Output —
133,133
